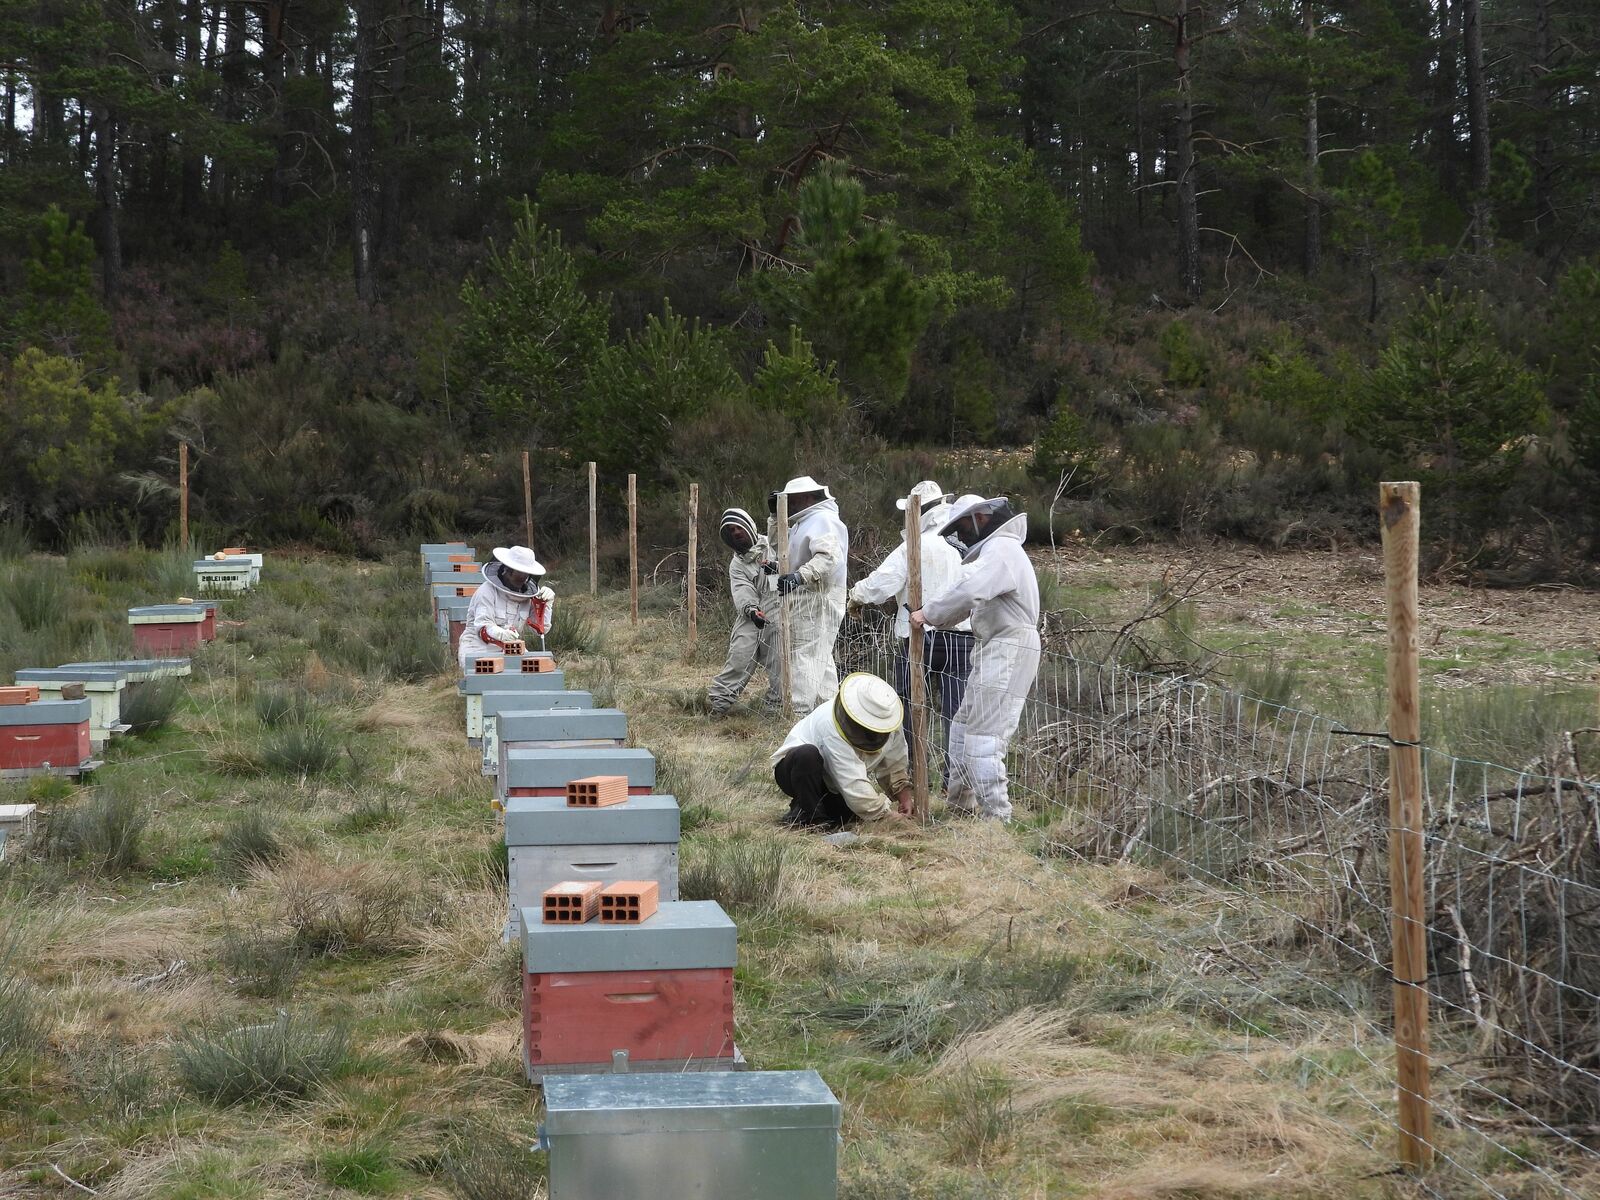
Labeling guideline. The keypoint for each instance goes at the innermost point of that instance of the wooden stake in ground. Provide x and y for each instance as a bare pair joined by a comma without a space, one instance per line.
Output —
1398,508
919,683
594,537
785,639
633,549
527,500
183,494
694,572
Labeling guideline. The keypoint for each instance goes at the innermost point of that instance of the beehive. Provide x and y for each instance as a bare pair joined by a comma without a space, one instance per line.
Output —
570,903
140,670
539,772
45,735
551,729
660,992
723,1135
549,843
473,687
230,575
164,629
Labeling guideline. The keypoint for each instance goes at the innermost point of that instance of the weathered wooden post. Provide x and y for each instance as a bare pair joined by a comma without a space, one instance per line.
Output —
785,641
633,549
694,572
594,537
183,494
527,500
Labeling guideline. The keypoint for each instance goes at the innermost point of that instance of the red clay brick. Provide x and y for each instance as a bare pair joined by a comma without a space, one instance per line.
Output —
455,558
466,568
515,649
489,664
597,791
571,903
629,901
465,591
537,664
21,694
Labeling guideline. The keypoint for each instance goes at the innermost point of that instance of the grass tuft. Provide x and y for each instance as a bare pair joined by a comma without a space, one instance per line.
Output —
745,873
115,1079
303,751
22,1020
283,1059
374,813
285,706
259,964
572,632
335,908
493,1169
979,1119
250,840
36,594
104,833
150,706
365,1168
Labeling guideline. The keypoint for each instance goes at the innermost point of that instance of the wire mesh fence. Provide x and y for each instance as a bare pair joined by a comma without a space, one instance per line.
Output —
1274,821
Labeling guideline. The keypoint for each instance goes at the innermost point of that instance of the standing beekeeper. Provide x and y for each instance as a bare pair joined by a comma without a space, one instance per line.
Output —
844,761
813,591
753,641
510,598
999,592
946,653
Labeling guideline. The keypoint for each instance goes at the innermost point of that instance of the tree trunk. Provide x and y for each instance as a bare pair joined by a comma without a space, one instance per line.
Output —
233,81
192,171
1141,145
1188,204
1477,121
1445,100
396,53
274,71
1313,233
1544,106
105,186
366,20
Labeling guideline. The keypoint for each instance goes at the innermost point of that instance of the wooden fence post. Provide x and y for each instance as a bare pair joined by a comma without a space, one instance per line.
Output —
694,572
785,639
527,500
633,549
1398,507
594,537
183,494
918,716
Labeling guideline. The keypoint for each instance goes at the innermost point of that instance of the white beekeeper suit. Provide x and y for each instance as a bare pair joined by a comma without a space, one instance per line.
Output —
941,565
844,760
814,594
999,591
499,611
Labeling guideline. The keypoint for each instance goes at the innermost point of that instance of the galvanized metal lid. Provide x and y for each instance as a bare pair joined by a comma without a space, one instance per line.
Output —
229,566
495,703
684,935
555,768
138,669
560,724
688,1102
182,612
508,681
71,675
45,712
547,821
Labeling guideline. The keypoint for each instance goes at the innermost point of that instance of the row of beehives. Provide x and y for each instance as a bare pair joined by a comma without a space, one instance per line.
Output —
56,720
627,998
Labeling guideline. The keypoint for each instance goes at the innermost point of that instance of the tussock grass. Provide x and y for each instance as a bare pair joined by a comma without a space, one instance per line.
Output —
979,1119
738,873
367,1168
151,706
258,963
335,908
23,1025
283,1059
302,751
277,705
250,840
119,1079
493,1168
377,812
572,631
36,594
104,833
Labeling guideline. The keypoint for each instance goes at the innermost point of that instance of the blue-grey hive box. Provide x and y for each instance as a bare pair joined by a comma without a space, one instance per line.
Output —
549,843
754,1135
551,728
536,772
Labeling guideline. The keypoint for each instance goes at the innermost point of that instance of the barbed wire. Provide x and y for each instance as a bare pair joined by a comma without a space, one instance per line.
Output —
1277,820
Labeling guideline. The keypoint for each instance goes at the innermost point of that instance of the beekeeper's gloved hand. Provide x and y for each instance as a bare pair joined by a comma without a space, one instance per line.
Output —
757,616
788,583
769,568
544,594
500,633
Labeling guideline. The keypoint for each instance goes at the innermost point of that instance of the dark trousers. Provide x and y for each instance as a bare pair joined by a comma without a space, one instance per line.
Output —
799,776
946,662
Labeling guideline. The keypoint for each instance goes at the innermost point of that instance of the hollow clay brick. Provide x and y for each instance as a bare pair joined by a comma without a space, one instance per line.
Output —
597,791
571,903
629,901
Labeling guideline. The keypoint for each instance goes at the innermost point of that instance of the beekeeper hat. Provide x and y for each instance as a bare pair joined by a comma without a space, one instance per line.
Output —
736,518
929,492
518,558
803,485
867,711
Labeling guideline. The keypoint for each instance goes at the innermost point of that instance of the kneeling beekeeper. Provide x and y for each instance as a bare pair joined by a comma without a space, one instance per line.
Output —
510,597
753,641
844,760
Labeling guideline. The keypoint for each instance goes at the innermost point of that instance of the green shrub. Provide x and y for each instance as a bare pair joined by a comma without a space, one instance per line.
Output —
250,839
1184,356
281,1060
303,751
150,706
572,632
104,832
745,873
1066,447
37,594
259,964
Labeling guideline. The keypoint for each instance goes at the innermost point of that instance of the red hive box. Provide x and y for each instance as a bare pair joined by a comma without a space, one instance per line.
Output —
168,630
49,733
662,992
457,628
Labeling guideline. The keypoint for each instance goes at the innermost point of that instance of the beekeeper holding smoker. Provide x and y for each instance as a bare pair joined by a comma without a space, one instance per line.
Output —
999,592
511,597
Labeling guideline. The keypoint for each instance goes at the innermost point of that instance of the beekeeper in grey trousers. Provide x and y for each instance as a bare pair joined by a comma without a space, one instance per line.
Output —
753,641
813,591
999,593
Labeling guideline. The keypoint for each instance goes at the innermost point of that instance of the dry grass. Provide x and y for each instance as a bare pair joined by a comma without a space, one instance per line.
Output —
333,908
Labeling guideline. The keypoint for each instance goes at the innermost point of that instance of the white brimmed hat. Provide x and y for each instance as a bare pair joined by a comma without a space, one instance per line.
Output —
518,558
929,492
803,485
870,703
